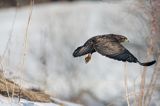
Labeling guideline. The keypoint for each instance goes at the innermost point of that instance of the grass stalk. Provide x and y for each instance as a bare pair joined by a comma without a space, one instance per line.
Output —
125,82
25,47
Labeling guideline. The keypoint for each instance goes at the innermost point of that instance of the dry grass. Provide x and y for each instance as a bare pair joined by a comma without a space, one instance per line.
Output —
144,96
25,44
28,94
125,83
9,88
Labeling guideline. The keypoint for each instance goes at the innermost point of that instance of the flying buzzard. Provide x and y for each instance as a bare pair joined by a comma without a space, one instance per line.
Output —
110,46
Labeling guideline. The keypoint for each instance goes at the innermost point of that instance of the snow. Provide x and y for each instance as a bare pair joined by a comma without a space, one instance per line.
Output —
5,101
56,30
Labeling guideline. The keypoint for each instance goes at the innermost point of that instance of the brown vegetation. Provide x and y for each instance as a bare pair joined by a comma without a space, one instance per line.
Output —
11,89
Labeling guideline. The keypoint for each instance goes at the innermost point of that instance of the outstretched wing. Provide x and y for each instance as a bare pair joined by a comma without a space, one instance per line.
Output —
108,48
114,50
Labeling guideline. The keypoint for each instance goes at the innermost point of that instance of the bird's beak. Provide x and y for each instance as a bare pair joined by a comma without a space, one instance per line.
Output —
88,58
126,40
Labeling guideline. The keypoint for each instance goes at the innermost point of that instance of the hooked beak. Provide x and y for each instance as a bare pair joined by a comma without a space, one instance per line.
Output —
126,40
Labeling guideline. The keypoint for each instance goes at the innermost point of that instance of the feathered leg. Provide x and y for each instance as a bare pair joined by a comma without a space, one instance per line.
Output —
88,58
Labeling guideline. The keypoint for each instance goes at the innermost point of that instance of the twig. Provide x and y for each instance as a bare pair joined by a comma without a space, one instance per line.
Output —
125,82
142,86
26,38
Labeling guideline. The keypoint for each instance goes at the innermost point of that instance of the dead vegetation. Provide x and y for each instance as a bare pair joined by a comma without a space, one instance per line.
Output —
146,95
11,89
147,89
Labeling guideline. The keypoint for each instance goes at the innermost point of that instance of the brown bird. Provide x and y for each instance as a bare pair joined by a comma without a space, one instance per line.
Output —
110,46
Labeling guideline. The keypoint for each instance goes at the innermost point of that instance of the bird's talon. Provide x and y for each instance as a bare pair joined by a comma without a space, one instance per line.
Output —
87,58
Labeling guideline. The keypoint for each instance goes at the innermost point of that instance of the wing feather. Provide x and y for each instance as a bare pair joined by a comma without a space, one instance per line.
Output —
109,48
114,50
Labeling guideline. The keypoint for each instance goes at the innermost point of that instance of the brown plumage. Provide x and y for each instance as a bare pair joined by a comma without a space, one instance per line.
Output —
109,46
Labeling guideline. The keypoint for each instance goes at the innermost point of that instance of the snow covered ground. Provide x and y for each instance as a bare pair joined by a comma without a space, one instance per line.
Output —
4,101
56,30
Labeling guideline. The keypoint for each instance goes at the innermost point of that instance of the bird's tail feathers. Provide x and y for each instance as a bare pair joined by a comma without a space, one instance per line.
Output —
147,63
127,56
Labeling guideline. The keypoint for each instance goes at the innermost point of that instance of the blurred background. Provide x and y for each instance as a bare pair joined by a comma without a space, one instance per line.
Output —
37,41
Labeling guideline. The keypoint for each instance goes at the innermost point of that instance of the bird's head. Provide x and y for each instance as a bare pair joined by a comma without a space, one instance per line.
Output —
122,39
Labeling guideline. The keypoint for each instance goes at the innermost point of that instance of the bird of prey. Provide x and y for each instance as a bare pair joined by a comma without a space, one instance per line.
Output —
110,46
